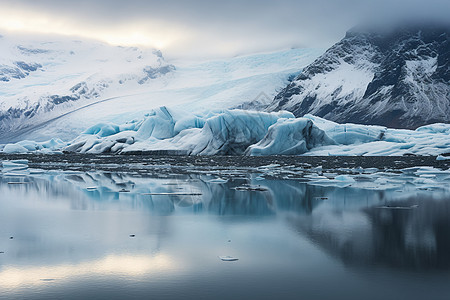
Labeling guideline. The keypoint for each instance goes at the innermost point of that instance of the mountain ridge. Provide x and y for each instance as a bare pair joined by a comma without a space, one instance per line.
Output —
398,78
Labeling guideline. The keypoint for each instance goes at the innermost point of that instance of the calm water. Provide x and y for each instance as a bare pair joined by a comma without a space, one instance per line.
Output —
101,235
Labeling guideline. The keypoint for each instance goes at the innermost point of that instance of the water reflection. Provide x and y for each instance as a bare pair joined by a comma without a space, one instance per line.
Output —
90,224
111,265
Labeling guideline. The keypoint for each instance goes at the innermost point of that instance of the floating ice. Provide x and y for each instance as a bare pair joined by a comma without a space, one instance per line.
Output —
22,147
344,178
228,258
290,137
440,157
237,132
14,149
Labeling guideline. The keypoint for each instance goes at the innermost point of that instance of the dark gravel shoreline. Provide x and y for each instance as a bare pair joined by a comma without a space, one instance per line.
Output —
135,162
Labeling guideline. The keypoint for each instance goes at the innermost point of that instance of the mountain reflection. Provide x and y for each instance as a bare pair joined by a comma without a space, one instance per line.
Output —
412,234
360,227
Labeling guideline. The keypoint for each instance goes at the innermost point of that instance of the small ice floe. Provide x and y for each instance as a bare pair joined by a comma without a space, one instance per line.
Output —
398,207
19,174
317,170
259,178
344,178
218,180
427,175
251,188
36,171
172,194
228,258
441,157
271,166
370,170
411,170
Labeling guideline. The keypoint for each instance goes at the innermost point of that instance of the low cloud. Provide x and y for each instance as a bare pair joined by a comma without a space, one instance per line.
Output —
199,28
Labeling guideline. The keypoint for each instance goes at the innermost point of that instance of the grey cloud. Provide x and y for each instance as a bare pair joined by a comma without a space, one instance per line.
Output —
232,27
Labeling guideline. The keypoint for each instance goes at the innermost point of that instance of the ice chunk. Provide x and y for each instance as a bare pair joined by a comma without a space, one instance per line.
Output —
348,134
32,146
344,178
14,149
237,132
232,132
29,145
440,157
189,122
160,125
102,129
435,128
290,137
228,258
228,133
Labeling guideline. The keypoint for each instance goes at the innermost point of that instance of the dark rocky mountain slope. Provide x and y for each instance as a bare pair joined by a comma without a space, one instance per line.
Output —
398,78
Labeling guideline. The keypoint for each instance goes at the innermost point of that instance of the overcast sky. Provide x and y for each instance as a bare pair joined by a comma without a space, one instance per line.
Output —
200,28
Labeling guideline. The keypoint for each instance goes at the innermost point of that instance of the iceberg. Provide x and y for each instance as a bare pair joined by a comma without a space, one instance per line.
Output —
14,149
290,137
227,133
244,132
31,146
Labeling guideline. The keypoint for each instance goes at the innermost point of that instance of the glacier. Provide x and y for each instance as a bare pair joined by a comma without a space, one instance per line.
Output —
58,87
44,77
244,132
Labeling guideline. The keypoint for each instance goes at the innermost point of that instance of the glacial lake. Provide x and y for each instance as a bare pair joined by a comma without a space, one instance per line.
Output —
112,235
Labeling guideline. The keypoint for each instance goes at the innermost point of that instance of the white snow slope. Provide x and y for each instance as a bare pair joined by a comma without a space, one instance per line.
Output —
57,87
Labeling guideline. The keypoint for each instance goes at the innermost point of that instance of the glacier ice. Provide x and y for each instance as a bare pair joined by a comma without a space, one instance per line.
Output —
238,132
290,137
82,83
31,146
440,157
348,134
14,149
227,133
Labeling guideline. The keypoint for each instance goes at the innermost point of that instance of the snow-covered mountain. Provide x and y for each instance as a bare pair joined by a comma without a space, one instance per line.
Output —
398,78
42,79
58,87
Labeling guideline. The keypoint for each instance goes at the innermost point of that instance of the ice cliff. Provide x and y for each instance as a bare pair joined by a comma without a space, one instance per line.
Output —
242,132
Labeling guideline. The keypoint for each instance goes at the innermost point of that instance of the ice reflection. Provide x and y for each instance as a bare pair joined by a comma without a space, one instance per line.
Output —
69,224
